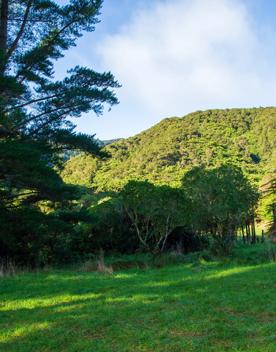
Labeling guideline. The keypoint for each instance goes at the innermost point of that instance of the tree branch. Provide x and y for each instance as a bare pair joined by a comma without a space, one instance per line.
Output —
28,67
52,120
11,197
34,101
33,118
21,30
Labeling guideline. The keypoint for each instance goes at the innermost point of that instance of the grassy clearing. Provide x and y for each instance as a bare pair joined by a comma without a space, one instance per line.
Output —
187,307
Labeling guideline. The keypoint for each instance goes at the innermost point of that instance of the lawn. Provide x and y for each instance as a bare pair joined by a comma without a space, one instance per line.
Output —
203,307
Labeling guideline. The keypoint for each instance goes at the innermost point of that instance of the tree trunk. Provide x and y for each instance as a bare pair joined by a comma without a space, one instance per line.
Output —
243,236
247,229
167,234
3,33
253,231
20,33
263,237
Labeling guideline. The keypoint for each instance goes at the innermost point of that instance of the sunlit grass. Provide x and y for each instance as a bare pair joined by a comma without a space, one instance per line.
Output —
204,307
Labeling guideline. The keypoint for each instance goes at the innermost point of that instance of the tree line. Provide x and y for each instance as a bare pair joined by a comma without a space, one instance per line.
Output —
209,209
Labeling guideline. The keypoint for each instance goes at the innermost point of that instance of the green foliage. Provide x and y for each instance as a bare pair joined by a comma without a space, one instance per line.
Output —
142,217
154,212
197,148
80,170
267,208
204,140
26,175
256,254
165,152
111,227
33,238
222,200
34,125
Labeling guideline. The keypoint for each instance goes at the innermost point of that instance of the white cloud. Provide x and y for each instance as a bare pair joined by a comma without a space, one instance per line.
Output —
183,55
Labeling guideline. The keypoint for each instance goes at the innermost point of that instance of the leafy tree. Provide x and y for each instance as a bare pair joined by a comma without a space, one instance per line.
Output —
29,237
222,200
36,109
154,212
112,229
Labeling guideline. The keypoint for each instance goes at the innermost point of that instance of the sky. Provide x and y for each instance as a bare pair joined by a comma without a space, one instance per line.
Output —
173,57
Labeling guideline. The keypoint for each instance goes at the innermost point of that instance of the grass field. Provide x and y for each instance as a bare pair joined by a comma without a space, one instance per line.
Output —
202,307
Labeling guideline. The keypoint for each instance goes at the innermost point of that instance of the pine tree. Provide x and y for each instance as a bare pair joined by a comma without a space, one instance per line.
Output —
34,107
35,121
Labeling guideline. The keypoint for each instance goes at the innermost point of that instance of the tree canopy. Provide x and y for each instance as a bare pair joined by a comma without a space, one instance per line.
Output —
222,200
166,151
35,108
154,211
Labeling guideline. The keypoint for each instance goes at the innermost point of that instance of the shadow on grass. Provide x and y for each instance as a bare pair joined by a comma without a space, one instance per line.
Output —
182,308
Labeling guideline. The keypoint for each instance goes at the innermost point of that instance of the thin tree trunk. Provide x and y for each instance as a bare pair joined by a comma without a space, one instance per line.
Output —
167,234
134,220
253,231
3,33
243,236
263,237
21,30
247,229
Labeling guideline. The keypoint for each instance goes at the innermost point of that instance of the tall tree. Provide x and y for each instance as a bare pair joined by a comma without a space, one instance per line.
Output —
34,107
222,200
36,112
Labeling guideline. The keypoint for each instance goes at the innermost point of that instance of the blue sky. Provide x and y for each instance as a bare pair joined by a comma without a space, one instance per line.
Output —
173,57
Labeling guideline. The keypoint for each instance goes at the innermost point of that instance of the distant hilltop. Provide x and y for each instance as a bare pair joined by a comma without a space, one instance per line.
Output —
163,153
108,141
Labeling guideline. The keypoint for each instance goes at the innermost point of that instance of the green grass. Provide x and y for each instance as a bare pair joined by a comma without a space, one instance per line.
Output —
200,307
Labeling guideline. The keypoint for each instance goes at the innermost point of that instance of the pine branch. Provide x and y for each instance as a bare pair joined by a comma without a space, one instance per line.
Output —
51,120
34,101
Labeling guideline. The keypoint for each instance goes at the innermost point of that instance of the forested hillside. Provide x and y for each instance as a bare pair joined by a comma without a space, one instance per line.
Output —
163,153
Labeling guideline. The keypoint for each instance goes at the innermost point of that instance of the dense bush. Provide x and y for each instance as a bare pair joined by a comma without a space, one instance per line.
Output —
184,240
141,217
30,237
165,152
222,200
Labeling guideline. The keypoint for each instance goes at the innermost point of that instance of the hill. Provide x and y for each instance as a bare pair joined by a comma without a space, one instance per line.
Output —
163,153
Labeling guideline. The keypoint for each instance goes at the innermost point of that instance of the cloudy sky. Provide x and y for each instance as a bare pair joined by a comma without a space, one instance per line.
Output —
173,57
